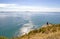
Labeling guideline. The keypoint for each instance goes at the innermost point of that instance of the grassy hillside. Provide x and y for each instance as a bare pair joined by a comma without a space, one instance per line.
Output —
1,37
51,31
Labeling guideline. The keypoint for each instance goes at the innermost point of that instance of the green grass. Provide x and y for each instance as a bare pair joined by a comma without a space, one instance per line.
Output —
2,37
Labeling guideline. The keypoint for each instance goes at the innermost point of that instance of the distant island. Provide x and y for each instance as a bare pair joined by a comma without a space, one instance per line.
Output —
24,11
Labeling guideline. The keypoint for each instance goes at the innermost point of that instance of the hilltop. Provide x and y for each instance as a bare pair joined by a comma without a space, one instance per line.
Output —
50,31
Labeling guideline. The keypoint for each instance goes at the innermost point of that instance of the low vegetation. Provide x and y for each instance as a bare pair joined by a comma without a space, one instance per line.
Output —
51,31
1,37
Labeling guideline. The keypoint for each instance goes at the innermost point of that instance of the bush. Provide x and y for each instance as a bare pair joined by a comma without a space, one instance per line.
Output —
1,37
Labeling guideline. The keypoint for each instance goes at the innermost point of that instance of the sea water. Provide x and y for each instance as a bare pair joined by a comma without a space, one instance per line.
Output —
15,24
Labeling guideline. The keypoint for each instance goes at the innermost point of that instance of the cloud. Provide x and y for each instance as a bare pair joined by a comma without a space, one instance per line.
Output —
7,5
15,7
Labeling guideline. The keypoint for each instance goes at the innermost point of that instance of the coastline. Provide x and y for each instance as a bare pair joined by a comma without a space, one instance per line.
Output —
51,31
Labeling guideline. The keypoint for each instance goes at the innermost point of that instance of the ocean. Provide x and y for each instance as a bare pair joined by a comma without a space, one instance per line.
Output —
16,24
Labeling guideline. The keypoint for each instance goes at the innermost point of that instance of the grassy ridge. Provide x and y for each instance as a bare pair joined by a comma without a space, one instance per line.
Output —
51,31
48,29
48,32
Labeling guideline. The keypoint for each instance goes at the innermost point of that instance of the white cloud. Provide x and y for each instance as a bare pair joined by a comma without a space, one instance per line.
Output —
6,5
15,7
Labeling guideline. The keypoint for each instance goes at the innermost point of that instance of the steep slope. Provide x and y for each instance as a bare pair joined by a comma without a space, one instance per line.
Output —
51,31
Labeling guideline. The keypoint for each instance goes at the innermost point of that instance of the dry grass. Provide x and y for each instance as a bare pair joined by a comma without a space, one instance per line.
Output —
55,35
47,32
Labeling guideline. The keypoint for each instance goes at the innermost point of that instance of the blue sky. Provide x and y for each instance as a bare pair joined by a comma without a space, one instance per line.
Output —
36,3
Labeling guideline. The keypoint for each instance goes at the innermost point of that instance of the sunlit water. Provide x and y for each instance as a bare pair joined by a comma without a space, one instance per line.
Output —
16,24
